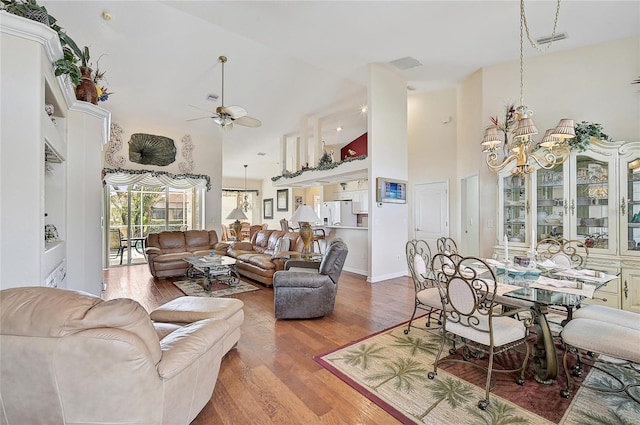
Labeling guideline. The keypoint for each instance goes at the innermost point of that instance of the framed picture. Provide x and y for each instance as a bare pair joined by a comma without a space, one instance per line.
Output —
267,208
283,200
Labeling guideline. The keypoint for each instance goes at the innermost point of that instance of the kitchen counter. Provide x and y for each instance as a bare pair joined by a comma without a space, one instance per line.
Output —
357,241
344,227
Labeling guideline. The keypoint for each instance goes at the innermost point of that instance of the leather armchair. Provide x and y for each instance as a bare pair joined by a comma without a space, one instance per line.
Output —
307,289
70,357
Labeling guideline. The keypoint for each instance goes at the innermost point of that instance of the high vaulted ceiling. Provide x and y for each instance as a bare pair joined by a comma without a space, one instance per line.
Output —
291,59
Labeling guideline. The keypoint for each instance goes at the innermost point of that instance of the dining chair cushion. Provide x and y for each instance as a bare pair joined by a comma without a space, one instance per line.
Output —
420,267
609,315
613,340
505,330
430,297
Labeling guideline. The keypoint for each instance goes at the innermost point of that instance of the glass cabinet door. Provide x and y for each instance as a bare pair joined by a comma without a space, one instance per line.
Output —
630,206
515,208
589,206
550,203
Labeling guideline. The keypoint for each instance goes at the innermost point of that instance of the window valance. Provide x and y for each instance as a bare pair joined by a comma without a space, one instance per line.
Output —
152,178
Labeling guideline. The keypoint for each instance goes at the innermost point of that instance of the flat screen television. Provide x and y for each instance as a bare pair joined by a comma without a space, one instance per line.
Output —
391,191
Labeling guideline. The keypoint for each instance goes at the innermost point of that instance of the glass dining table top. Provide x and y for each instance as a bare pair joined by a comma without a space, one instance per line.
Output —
527,288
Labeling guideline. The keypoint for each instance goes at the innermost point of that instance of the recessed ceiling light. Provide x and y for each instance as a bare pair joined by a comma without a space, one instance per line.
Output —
339,129
364,109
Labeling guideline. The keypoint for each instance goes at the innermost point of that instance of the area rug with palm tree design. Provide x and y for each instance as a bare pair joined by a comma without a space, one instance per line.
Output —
390,368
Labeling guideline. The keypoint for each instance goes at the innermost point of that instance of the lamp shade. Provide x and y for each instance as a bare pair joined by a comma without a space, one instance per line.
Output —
526,127
566,129
549,140
237,214
491,137
305,213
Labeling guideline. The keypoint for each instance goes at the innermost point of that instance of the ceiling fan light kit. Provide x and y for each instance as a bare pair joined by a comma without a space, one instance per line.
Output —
227,116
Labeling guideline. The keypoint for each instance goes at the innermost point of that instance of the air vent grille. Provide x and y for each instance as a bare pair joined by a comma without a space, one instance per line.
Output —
405,63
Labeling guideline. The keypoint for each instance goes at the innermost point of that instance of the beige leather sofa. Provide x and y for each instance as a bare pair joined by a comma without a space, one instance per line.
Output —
68,357
266,253
165,251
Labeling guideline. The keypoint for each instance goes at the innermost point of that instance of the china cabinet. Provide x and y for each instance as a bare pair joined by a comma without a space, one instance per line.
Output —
48,141
593,197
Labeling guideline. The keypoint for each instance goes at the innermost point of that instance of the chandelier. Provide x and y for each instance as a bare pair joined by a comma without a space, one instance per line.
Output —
245,204
527,155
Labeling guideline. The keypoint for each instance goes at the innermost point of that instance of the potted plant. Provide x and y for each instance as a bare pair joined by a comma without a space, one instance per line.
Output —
584,132
30,9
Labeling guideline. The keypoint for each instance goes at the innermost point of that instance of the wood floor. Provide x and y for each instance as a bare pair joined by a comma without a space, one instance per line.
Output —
271,377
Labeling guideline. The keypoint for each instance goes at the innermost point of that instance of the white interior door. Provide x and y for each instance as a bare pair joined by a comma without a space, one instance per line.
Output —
470,213
431,211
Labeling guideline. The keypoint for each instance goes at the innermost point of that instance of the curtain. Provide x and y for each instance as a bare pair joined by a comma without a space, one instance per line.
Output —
150,178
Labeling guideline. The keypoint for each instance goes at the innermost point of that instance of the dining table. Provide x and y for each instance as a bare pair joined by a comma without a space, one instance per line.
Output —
540,289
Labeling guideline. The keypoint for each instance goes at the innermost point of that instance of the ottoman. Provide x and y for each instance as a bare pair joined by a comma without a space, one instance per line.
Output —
191,309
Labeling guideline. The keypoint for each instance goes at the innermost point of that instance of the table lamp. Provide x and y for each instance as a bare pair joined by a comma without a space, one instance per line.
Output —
238,215
305,215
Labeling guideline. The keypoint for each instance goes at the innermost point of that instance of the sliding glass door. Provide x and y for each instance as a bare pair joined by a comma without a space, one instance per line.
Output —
136,210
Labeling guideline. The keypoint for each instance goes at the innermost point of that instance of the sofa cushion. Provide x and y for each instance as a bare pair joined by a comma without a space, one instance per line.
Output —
175,256
172,241
260,260
197,240
261,240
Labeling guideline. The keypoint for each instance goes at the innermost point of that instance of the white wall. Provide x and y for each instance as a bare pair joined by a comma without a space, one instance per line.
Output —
388,141
432,120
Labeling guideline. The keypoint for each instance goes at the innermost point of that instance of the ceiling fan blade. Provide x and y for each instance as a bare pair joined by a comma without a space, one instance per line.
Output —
248,122
201,118
209,111
234,111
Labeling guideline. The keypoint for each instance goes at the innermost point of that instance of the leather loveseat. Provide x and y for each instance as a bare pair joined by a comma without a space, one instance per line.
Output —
266,253
68,357
165,251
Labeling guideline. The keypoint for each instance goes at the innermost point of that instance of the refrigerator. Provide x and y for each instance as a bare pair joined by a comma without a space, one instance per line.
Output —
337,213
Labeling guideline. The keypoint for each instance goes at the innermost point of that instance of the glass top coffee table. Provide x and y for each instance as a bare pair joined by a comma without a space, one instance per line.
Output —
220,268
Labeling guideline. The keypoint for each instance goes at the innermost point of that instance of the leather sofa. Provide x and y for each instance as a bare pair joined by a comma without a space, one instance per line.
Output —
68,357
165,251
266,253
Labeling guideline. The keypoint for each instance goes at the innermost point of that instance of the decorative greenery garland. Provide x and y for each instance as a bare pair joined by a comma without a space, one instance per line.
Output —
321,166
106,171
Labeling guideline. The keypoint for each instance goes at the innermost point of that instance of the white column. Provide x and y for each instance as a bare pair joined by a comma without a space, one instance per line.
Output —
304,142
283,154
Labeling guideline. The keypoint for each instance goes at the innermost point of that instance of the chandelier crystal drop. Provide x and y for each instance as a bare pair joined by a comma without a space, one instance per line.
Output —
527,155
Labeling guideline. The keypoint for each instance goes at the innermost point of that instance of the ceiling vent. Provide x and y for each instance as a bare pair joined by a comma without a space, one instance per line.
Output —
405,63
549,39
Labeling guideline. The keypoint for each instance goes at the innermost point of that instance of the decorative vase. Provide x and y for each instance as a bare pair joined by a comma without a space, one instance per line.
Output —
86,90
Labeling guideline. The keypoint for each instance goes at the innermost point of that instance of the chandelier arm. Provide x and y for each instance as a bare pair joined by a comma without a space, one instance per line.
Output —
492,162
550,159
553,34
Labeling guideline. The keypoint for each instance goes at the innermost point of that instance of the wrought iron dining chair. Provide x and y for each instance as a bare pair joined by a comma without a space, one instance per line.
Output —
569,253
565,253
469,290
116,247
446,245
427,293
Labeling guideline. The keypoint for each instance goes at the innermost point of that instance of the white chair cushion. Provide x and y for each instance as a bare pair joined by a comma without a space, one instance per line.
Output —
430,297
609,315
603,338
419,266
505,330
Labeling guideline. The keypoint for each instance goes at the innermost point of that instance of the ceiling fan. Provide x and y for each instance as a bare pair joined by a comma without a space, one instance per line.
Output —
226,116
